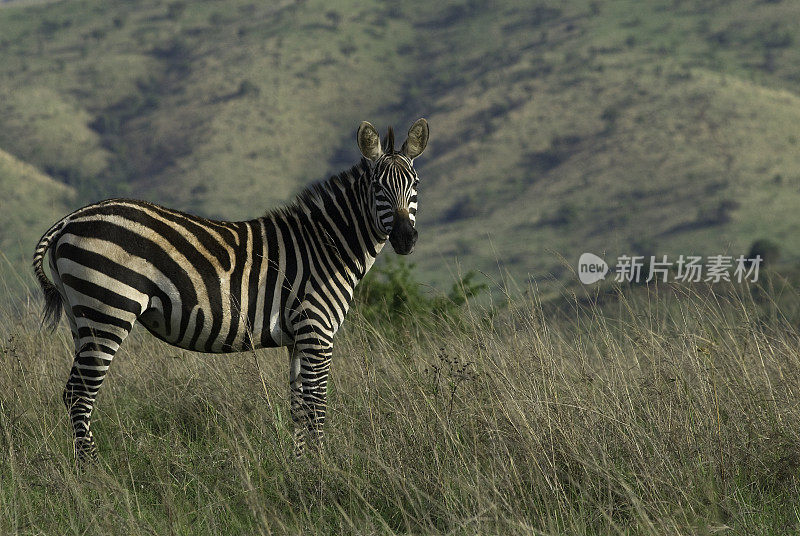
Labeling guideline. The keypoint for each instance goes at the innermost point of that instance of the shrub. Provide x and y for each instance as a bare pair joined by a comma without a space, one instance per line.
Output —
175,10
769,251
334,18
566,214
248,88
391,290
467,206
718,213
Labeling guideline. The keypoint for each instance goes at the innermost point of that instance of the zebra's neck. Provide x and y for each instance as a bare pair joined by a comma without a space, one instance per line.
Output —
337,215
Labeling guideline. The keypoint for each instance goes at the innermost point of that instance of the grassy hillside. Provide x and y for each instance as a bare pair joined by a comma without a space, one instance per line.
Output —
653,127
27,199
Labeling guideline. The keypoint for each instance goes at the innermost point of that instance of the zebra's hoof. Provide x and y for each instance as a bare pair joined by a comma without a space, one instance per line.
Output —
86,453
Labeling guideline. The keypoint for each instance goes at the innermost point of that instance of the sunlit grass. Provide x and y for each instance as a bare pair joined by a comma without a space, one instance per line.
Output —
660,413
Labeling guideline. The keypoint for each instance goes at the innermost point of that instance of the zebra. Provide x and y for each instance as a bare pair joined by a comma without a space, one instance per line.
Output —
284,279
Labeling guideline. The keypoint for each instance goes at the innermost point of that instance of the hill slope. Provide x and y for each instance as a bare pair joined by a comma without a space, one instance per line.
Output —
556,128
28,200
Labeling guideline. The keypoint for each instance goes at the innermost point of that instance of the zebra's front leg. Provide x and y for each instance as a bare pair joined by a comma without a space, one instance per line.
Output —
308,380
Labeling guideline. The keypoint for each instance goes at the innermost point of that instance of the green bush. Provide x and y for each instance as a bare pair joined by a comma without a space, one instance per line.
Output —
390,290
768,250
175,10
248,88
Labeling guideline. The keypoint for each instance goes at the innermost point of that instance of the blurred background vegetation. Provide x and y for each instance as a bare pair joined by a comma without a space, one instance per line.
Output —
617,127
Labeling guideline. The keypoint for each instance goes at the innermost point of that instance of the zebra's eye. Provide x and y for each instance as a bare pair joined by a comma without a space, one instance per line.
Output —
416,183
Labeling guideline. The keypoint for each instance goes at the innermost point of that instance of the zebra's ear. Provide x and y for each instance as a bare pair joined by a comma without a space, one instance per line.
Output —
417,139
369,142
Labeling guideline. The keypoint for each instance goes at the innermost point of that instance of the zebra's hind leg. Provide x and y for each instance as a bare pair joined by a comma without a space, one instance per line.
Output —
308,380
87,374
96,347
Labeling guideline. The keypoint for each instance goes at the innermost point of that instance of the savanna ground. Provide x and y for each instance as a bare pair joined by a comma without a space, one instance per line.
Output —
661,410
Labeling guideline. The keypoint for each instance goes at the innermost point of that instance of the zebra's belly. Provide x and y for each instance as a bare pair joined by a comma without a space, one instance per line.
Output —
194,329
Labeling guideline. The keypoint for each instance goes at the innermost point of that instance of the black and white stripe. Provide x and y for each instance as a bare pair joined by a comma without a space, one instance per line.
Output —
285,279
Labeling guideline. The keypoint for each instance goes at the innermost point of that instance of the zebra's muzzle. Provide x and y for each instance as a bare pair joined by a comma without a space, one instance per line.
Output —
403,235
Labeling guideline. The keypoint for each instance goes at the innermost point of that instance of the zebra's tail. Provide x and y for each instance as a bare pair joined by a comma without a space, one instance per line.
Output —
52,298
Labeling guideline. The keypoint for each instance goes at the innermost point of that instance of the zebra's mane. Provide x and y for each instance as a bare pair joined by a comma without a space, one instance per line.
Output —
316,193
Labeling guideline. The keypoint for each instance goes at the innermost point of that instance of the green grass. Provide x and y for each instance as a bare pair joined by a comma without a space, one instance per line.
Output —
664,411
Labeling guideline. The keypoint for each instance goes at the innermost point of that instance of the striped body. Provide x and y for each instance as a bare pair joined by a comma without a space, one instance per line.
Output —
206,285
285,279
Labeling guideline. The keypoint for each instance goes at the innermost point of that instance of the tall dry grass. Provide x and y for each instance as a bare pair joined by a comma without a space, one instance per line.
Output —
664,412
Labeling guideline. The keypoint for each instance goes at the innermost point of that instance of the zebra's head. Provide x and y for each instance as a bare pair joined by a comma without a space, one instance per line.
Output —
394,182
